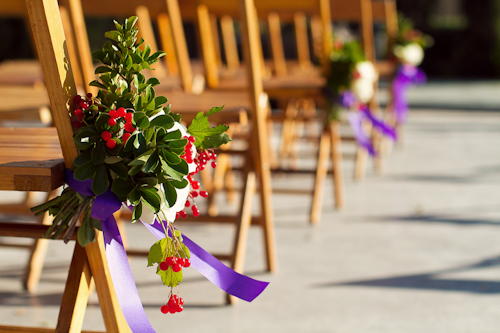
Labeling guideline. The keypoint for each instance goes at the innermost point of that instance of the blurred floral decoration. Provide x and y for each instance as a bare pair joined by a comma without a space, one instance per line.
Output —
350,86
409,50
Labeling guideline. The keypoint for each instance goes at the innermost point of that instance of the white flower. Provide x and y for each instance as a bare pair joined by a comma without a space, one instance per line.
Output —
182,194
363,82
363,90
366,71
412,54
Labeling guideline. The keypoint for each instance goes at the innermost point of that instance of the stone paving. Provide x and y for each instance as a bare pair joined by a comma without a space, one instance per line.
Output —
416,249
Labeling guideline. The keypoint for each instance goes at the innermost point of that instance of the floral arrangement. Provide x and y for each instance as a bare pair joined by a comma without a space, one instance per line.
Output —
409,50
134,149
410,43
350,73
351,85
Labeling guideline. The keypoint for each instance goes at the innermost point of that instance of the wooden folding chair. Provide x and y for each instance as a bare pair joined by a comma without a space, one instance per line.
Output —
31,161
287,85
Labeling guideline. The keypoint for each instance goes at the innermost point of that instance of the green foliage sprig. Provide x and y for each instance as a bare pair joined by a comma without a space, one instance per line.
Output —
407,33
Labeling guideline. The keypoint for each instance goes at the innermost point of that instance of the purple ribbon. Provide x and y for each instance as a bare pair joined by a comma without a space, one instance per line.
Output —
356,122
347,99
406,76
379,124
219,274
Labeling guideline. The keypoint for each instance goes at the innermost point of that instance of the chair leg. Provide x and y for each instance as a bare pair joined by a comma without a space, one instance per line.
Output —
111,312
321,173
76,293
338,174
245,220
34,267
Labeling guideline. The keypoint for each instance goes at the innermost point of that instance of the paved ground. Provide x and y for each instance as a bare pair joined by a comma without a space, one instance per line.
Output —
415,250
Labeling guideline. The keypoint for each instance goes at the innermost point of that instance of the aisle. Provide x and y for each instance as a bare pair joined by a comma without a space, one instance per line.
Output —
416,250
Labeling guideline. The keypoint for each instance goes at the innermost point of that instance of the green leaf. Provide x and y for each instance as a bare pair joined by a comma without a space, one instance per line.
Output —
122,187
140,120
170,171
163,121
200,129
114,35
215,141
170,157
103,69
134,197
85,137
98,55
151,198
170,193
82,158
101,123
112,159
99,153
142,159
137,212
101,180
97,84
155,255
85,171
159,101
174,135
86,233
169,277
148,182
179,184
182,167
152,162
134,170
130,22
120,169
153,82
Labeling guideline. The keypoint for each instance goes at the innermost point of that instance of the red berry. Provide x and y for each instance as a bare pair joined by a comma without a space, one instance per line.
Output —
196,213
111,143
128,117
106,135
125,136
176,267
181,301
77,124
111,122
195,185
163,266
177,215
191,139
171,302
181,262
129,127
78,112
77,99
187,204
121,112
187,263
169,261
214,164
204,194
172,310
164,309
113,114
179,308
183,214
194,194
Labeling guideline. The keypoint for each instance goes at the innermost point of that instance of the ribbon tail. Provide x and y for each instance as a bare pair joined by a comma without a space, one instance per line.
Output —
380,125
356,122
215,271
123,281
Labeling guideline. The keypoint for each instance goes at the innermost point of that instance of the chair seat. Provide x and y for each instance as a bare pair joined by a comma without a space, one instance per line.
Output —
189,104
21,72
30,159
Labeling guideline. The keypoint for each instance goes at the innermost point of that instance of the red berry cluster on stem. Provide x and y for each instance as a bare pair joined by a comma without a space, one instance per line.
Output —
200,160
176,263
175,304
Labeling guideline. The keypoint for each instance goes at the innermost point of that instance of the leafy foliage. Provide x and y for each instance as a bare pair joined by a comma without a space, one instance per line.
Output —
408,34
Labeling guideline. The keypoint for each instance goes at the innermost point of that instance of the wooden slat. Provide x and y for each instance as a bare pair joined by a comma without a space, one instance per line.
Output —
14,329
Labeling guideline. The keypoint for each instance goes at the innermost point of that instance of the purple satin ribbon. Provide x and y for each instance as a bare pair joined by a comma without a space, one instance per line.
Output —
356,122
406,76
378,124
219,274
347,99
